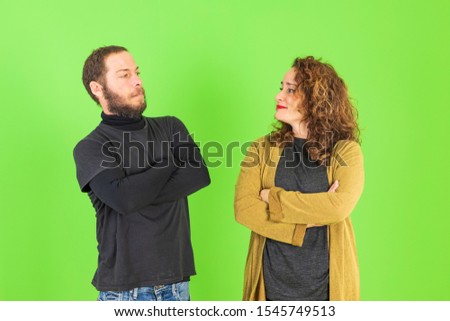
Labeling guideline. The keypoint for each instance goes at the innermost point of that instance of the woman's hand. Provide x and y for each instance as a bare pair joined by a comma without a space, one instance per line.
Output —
334,187
264,194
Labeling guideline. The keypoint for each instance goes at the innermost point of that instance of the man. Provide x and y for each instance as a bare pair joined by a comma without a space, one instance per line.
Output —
138,172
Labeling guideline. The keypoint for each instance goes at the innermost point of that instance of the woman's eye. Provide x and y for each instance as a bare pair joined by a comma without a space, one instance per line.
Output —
291,91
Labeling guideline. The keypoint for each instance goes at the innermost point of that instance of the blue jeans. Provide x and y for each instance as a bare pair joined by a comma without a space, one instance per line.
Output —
170,292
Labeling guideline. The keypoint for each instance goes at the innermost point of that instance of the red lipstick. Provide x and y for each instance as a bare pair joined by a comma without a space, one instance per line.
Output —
281,107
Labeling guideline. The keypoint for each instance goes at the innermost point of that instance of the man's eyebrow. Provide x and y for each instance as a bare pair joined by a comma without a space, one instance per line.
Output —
126,69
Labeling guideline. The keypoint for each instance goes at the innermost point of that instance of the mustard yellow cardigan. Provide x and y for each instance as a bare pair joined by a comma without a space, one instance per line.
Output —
286,216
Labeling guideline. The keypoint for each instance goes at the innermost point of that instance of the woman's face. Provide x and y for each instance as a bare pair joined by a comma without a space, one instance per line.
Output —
288,100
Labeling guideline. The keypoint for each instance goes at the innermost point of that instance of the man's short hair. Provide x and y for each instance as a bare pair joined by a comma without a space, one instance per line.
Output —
94,67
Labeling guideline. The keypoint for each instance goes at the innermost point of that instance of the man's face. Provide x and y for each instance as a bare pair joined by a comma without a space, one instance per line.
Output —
122,91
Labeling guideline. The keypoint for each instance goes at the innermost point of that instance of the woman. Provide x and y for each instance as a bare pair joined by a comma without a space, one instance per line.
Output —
302,244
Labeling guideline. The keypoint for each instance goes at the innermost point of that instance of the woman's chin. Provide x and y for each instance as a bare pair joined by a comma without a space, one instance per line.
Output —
277,117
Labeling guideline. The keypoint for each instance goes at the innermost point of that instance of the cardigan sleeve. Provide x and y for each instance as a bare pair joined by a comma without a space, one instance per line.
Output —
251,211
324,208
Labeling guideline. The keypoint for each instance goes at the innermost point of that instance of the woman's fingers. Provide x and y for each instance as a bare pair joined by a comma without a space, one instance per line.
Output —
334,187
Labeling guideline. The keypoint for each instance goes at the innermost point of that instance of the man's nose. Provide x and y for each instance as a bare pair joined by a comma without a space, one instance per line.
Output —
137,81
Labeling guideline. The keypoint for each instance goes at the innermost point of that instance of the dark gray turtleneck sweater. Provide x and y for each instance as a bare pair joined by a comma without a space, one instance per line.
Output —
138,173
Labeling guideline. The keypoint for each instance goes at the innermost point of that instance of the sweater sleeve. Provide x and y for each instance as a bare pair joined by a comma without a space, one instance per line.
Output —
323,208
128,194
191,173
251,211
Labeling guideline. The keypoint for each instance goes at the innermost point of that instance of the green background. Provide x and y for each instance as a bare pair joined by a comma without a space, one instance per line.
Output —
217,66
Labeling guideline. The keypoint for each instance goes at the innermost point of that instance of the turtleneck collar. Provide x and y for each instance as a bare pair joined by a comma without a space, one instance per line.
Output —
123,123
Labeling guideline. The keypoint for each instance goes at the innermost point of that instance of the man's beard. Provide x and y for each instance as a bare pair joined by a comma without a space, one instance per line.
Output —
117,106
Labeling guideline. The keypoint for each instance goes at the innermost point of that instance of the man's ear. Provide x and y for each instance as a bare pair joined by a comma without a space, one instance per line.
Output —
96,89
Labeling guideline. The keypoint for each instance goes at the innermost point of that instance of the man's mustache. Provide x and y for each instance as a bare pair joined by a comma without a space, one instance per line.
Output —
139,91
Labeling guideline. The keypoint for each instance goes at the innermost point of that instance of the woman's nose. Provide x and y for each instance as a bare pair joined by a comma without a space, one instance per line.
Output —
279,96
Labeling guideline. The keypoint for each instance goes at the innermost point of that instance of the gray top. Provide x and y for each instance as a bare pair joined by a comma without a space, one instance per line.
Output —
292,272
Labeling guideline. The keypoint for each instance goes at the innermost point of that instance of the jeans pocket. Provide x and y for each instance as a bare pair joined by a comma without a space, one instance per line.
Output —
110,296
181,291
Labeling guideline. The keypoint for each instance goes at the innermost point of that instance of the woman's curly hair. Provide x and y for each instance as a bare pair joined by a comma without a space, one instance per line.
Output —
325,106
